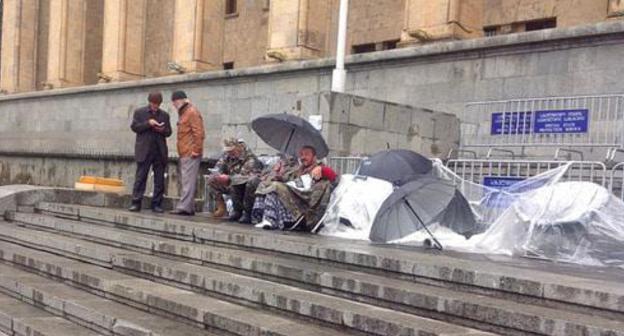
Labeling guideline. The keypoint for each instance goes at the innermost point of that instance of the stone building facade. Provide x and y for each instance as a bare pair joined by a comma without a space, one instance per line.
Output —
49,44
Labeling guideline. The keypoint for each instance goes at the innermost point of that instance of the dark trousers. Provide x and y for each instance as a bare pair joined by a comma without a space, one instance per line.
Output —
244,195
155,162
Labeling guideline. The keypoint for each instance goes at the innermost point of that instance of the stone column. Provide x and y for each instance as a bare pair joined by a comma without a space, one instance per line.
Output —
198,35
74,42
616,9
298,29
19,46
124,40
427,20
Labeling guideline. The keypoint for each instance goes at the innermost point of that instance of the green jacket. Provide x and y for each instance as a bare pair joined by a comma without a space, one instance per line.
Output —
240,169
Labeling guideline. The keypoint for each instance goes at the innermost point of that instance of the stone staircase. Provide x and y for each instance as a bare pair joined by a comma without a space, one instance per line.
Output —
73,269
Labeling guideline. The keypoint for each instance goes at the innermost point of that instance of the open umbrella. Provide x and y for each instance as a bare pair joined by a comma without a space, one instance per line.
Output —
288,133
397,166
418,204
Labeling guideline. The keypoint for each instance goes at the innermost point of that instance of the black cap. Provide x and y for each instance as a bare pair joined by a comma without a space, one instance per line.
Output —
178,95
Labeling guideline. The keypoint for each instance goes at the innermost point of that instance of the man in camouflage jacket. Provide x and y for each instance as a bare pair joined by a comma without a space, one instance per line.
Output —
237,175
280,205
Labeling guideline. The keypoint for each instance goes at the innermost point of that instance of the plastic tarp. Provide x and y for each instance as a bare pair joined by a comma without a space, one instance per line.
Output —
353,206
542,217
578,222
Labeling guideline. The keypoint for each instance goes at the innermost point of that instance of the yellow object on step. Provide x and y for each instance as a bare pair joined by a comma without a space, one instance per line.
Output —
99,187
94,183
101,180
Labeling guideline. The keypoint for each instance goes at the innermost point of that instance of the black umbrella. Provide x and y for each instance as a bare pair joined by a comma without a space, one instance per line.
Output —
420,203
288,133
397,166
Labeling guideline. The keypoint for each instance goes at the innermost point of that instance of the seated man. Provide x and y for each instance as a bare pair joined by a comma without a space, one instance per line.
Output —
288,201
238,172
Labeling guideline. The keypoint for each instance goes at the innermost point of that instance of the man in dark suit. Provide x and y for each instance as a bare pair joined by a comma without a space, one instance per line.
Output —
152,127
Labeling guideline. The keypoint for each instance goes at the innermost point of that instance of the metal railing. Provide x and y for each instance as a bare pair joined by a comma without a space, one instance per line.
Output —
476,170
557,122
616,180
345,164
500,173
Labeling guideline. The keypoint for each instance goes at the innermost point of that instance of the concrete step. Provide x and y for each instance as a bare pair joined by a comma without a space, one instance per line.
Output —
88,310
147,295
522,280
510,315
450,305
308,304
21,319
431,301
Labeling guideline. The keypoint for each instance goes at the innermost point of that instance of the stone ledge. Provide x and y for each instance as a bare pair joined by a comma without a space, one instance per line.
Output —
126,157
14,196
572,34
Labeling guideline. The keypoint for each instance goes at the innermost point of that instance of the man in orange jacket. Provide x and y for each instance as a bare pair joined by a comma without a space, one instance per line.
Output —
190,149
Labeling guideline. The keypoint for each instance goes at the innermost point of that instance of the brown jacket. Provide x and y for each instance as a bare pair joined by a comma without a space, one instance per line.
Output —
190,131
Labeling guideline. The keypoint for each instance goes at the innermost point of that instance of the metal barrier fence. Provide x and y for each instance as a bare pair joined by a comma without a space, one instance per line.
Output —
345,165
559,122
616,180
476,170
498,174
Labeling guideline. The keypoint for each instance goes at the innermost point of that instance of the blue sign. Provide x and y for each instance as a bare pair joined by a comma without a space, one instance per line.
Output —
500,182
496,198
561,121
511,123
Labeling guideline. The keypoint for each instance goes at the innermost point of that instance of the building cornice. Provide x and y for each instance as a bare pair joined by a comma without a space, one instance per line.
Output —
600,33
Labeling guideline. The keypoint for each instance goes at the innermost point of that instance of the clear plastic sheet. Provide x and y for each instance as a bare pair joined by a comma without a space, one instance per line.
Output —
268,161
541,217
578,222
353,206
489,203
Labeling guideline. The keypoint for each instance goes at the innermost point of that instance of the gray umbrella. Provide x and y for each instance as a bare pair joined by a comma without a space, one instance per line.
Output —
288,133
397,166
420,203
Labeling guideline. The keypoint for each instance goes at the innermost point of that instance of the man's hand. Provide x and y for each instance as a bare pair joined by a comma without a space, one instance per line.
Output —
316,173
222,179
156,126
277,168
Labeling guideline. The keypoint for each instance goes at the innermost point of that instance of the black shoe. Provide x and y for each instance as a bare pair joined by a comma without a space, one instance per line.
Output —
134,208
181,213
245,218
157,209
235,216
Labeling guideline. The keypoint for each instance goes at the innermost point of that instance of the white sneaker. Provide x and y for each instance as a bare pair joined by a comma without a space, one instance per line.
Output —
265,224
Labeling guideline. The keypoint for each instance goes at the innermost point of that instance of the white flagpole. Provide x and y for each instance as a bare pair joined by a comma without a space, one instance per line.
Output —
339,75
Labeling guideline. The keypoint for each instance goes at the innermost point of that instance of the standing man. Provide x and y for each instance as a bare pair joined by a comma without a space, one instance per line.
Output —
190,149
152,127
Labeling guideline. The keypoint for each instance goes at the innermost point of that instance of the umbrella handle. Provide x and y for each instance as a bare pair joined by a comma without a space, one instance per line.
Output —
297,222
439,246
318,224
292,132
